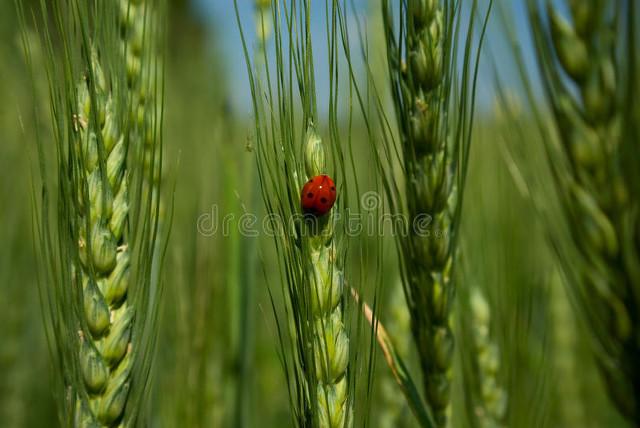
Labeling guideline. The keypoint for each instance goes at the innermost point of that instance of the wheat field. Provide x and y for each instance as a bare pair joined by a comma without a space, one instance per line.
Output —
320,213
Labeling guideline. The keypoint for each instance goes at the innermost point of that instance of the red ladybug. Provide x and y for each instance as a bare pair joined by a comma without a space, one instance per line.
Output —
318,195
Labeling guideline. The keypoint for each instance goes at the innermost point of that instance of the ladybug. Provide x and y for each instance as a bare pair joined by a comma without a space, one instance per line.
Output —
318,195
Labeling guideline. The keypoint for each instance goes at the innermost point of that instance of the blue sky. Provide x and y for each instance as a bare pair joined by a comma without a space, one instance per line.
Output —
220,17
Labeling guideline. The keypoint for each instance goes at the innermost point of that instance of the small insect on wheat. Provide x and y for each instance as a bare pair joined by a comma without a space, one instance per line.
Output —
318,195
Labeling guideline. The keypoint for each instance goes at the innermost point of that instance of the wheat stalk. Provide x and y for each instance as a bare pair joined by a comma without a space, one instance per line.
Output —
326,281
289,152
428,184
100,299
434,122
101,188
592,50
139,22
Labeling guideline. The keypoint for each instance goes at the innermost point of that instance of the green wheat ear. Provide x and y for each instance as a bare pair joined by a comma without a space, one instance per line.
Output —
587,59
330,342
139,25
103,271
290,149
98,241
434,112
492,398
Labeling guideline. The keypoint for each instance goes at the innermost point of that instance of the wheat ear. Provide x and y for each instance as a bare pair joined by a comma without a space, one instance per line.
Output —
433,90
100,187
139,23
595,176
492,398
330,341
431,194
310,248
98,297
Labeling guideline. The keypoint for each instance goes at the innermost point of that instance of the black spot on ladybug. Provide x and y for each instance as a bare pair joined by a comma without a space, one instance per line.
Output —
309,195
310,181
323,200
333,188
